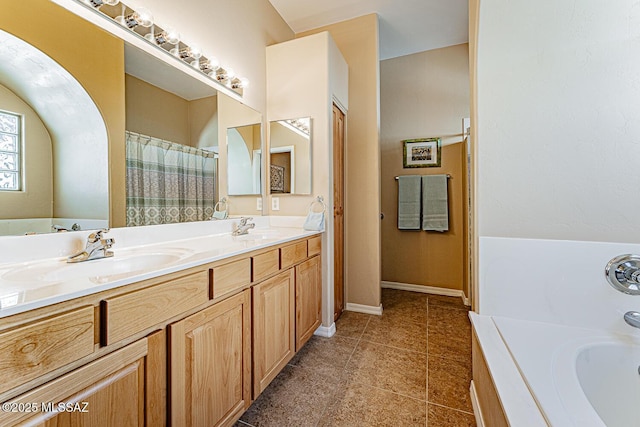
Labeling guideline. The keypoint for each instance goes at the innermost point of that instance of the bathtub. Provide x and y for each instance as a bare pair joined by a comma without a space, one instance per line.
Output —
576,377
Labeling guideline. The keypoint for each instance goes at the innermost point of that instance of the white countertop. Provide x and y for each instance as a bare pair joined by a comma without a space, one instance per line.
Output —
34,272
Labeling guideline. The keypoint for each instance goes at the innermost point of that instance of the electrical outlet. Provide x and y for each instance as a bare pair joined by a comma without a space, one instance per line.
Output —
275,203
259,204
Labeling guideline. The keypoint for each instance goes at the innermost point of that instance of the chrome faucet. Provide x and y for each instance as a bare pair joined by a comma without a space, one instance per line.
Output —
632,318
243,227
97,247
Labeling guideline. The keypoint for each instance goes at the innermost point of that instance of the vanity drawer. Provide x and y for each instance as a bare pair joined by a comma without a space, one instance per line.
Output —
128,314
265,264
315,245
230,277
293,254
32,350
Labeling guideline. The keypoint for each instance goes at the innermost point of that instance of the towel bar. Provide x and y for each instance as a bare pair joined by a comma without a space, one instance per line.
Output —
448,177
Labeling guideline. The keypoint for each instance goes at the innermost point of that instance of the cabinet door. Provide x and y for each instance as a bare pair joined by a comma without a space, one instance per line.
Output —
308,300
273,328
115,390
210,364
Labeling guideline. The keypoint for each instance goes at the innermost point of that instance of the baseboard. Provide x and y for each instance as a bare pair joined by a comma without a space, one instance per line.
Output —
426,290
466,300
367,309
326,331
476,406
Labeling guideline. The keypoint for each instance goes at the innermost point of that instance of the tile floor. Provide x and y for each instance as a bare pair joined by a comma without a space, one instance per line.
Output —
409,367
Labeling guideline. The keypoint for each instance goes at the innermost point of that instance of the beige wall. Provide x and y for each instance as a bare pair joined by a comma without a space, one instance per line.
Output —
251,135
430,99
203,122
35,200
357,39
96,60
155,112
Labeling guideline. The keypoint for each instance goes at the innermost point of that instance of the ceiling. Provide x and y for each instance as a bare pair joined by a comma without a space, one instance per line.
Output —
406,26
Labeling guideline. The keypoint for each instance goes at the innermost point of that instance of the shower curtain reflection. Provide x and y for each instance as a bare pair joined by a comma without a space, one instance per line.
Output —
168,182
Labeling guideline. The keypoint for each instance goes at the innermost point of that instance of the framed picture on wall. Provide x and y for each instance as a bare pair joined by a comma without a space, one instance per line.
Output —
277,179
422,153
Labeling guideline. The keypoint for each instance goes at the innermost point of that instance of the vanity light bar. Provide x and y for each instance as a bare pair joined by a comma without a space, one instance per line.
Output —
167,39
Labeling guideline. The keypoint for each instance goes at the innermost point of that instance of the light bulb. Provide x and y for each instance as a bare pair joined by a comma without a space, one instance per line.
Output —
195,52
230,73
170,36
143,17
239,83
215,64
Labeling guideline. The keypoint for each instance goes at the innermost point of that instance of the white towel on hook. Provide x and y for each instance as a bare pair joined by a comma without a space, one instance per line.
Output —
315,220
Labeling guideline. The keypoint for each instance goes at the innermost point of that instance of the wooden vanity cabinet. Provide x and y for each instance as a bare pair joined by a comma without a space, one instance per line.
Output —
308,300
273,328
191,348
119,389
210,364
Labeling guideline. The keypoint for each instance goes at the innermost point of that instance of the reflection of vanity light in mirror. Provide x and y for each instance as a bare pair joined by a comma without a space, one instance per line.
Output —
290,156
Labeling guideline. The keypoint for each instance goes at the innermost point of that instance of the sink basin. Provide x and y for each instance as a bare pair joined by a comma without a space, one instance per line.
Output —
123,264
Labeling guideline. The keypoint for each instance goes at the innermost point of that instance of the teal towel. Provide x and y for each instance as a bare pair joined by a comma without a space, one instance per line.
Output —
409,202
219,215
435,210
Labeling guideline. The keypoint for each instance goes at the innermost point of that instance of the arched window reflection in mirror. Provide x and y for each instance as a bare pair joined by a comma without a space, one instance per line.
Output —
290,156
65,150
244,159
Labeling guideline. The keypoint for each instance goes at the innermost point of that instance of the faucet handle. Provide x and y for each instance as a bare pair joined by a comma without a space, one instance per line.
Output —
244,220
97,235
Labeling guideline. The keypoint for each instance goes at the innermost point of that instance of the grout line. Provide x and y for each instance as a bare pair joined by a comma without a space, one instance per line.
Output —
389,391
344,369
426,392
427,369
449,407
394,347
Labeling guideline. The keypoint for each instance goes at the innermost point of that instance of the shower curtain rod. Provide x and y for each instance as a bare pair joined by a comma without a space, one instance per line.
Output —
448,177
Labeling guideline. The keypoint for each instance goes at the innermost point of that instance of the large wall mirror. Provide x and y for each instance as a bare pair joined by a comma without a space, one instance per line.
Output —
290,156
146,109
